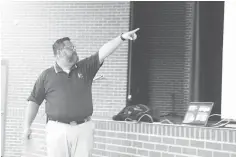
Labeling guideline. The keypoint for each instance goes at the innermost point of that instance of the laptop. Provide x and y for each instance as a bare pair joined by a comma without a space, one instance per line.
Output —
198,113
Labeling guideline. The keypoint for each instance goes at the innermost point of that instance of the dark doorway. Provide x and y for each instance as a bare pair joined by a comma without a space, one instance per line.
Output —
159,59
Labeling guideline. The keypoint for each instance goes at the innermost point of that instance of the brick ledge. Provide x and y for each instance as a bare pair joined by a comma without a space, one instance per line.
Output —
108,119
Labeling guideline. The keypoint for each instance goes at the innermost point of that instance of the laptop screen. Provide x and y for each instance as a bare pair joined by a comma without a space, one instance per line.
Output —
198,113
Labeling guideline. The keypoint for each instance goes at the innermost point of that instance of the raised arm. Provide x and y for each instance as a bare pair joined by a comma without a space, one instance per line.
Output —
110,47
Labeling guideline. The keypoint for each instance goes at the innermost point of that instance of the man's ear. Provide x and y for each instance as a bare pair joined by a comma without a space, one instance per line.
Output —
58,54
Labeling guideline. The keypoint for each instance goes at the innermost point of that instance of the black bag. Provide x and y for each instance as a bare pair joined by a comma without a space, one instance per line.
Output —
138,113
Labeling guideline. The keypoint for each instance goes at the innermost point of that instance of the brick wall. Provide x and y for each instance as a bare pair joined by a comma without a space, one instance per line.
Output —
121,139
28,31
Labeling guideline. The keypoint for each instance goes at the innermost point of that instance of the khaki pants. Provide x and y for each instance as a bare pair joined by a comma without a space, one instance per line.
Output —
65,140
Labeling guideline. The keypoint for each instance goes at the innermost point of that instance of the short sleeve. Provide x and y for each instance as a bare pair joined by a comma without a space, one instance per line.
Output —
91,65
38,93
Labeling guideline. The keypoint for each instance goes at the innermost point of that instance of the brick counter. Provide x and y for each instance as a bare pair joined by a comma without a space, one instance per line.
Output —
126,139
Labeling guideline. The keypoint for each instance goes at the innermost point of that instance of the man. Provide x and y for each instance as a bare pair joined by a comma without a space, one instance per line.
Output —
66,87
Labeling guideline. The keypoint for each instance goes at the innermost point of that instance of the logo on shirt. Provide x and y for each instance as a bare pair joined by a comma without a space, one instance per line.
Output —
80,75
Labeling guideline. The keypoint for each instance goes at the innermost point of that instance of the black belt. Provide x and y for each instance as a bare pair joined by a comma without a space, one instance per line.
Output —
76,122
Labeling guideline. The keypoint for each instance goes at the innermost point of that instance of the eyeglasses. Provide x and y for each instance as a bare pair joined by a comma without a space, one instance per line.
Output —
73,48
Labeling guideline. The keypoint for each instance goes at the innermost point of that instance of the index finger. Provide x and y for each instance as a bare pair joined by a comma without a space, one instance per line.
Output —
133,31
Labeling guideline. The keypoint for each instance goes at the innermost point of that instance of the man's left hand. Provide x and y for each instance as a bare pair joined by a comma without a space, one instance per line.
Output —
131,35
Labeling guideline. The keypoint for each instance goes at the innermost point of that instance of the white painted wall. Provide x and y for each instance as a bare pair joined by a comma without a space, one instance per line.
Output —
228,104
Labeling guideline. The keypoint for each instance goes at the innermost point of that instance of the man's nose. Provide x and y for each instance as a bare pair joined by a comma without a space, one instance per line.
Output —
75,53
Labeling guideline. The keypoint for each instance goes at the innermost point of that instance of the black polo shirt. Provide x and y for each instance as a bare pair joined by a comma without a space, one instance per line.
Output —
68,96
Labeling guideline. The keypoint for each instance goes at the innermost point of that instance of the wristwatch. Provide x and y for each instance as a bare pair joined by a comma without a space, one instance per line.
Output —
122,37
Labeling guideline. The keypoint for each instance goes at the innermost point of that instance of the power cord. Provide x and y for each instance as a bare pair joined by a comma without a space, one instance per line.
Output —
219,123
166,120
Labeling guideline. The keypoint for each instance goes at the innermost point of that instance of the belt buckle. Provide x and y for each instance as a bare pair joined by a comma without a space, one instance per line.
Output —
73,123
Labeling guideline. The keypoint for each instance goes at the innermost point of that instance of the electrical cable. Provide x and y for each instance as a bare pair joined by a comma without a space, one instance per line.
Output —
219,123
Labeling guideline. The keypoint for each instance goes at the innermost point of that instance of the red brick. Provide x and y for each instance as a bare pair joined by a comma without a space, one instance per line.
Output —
232,137
173,130
229,147
142,152
155,139
149,129
198,133
156,130
116,141
179,131
202,133
121,135
143,138
174,149
167,155
214,134
160,130
111,134
161,147
131,150
165,130
121,149
148,146
233,155
108,140
182,142
137,144
143,128
211,145
112,147
132,136
129,127
225,135
167,140
219,135
189,151
187,133
208,134
124,127
204,153
101,146
198,144
154,154
118,127
220,154
126,143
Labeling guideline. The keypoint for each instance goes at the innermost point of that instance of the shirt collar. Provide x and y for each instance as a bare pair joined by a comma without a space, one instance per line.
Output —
58,69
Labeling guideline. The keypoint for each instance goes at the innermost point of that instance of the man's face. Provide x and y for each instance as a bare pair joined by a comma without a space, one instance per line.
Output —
68,55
